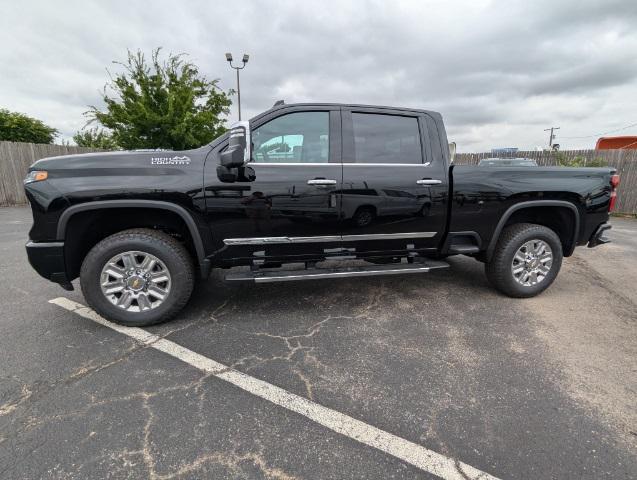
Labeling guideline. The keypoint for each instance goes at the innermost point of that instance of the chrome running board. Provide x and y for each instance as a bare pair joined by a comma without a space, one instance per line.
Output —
340,272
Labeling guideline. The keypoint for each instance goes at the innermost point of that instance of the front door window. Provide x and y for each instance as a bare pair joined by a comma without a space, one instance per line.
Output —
301,137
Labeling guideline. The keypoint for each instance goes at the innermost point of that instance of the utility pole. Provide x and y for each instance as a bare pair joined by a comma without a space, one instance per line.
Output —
244,60
552,135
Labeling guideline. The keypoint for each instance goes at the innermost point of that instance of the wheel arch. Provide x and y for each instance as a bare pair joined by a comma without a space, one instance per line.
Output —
367,206
569,242
106,205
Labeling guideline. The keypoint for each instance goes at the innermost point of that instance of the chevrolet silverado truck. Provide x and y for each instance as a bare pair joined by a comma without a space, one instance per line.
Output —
330,190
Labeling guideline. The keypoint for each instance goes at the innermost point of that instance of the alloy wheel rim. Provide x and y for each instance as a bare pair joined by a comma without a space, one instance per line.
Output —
135,281
532,262
364,218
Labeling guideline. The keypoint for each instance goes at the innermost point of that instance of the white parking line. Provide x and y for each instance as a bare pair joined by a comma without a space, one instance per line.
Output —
409,452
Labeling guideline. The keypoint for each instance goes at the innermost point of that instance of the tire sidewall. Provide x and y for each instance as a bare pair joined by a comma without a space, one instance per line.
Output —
104,251
358,216
509,251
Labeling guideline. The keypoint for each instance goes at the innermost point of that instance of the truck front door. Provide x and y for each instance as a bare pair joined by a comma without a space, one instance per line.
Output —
285,202
391,153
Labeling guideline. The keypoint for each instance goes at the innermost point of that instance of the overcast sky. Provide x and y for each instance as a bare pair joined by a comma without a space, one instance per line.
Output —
500,72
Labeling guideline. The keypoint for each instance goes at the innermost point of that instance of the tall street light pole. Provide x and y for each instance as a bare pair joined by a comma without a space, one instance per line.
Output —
244,60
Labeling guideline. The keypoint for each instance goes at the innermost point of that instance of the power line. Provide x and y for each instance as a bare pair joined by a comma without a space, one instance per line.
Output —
627,146
605,133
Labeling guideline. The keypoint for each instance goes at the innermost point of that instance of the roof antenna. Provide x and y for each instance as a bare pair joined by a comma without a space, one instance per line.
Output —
278,103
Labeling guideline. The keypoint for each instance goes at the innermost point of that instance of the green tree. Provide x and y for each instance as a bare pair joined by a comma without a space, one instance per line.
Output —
579,161
17,127
95,138
161,104
597,162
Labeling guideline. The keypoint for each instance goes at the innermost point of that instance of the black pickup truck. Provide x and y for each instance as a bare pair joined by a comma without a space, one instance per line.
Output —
341,190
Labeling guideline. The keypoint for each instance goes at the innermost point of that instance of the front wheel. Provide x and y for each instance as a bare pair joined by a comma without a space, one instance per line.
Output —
526,260
137,277
363,217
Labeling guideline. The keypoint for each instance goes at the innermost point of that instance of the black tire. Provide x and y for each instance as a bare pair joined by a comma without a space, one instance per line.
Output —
159,244
364,216
499,268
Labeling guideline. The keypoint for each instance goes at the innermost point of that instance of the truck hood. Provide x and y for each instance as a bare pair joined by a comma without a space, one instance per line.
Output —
144,159
174,175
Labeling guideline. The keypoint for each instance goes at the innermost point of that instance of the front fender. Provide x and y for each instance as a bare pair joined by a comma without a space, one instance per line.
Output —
155,204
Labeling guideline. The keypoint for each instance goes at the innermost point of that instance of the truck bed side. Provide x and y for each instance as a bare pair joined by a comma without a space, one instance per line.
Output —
483,197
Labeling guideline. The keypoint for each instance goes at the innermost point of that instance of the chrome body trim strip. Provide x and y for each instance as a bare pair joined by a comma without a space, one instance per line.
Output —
323,164
386,164
388,236
295,164
274,240
32,244
326,238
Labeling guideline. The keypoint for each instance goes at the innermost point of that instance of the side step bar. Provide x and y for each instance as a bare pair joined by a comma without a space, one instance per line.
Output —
321,273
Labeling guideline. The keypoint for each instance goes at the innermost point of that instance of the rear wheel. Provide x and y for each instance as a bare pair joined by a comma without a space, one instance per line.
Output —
526,261
137,277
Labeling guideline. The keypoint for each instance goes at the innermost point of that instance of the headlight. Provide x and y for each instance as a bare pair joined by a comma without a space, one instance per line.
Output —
36,176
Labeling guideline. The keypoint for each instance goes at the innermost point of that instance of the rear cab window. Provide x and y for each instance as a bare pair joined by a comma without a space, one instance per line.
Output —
387,139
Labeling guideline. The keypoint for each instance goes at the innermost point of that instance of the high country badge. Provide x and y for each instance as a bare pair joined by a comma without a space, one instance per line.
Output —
170,160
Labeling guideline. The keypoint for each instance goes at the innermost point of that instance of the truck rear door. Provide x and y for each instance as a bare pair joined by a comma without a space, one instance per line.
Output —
398,155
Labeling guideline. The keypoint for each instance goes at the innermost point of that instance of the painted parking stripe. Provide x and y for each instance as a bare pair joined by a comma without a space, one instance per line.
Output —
409,452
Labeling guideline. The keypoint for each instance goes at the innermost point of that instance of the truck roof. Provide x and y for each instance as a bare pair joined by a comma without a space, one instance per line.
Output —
278,106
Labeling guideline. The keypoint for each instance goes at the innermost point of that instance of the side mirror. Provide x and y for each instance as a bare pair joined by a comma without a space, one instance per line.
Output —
226,175
238,151
452,151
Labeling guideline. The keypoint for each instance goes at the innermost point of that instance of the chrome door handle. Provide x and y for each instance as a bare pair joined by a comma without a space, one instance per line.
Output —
428,181
321,182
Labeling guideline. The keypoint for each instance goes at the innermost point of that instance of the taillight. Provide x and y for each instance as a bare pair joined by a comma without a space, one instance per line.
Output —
614,183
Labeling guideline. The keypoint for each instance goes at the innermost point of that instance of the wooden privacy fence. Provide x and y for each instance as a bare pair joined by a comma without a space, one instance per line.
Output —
625,161
15,159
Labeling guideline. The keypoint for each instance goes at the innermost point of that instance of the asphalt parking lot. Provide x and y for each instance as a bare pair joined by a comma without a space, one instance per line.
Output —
537,388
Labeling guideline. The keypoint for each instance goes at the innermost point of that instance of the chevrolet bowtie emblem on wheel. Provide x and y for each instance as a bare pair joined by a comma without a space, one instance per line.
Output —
170,160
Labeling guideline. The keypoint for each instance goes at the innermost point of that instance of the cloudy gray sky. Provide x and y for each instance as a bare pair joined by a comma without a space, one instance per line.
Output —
499,71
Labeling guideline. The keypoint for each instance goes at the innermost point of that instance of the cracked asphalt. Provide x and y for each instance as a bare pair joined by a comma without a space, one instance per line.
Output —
537,388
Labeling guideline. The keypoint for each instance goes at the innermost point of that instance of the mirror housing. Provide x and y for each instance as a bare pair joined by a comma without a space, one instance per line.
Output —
238,152
226,175
452,151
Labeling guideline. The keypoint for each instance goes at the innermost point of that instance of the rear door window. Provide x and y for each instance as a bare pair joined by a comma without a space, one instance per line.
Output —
388,139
